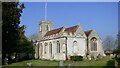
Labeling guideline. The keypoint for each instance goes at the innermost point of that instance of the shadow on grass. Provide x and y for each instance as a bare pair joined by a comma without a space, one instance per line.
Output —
110,64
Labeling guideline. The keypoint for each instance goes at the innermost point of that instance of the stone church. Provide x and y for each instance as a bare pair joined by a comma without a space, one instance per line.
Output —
63,42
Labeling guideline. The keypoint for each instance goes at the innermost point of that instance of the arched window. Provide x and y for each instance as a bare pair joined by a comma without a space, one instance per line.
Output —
45,48
50,47
93,43
75,47
41,48
47,27
58,47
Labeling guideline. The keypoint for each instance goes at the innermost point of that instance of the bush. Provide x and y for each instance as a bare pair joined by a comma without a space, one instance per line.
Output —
76,58
118,57
97,59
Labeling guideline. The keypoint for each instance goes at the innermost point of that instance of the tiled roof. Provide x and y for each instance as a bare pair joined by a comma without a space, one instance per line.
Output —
71,29
88,32
53,31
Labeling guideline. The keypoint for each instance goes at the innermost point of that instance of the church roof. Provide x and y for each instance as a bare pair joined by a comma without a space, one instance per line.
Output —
88,32
70,29
53,31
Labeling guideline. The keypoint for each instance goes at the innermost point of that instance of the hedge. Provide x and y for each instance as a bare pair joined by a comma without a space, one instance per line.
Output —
76,58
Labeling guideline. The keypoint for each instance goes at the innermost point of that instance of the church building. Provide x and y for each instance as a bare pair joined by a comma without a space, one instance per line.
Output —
63,42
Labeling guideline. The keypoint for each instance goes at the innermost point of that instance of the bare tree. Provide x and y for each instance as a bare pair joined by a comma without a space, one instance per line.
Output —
34,36
118,42
109,43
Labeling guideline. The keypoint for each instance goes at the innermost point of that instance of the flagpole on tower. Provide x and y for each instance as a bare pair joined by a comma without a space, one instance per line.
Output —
45,9
78,23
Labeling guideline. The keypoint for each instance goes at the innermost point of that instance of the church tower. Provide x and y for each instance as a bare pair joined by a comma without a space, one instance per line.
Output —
44,27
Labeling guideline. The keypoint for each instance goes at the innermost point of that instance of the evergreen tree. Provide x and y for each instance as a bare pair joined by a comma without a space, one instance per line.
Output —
10,25
13,38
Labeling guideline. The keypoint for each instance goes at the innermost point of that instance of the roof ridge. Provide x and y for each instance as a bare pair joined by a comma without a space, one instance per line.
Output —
87,33
89,30
54,31
71,29
72,26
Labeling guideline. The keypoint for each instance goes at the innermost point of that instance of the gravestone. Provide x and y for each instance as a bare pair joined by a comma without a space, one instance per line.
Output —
69,65
6,61
29,64
61,64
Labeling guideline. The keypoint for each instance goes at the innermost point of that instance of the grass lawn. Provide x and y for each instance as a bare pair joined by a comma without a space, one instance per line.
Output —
106,61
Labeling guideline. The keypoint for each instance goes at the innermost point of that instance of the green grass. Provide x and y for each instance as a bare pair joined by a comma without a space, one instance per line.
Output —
106,61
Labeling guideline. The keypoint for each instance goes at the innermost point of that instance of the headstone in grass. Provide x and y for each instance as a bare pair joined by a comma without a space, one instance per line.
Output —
118,55
6,61
95,57
111,55
29,64
89,58
61,63
104,55
69,65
